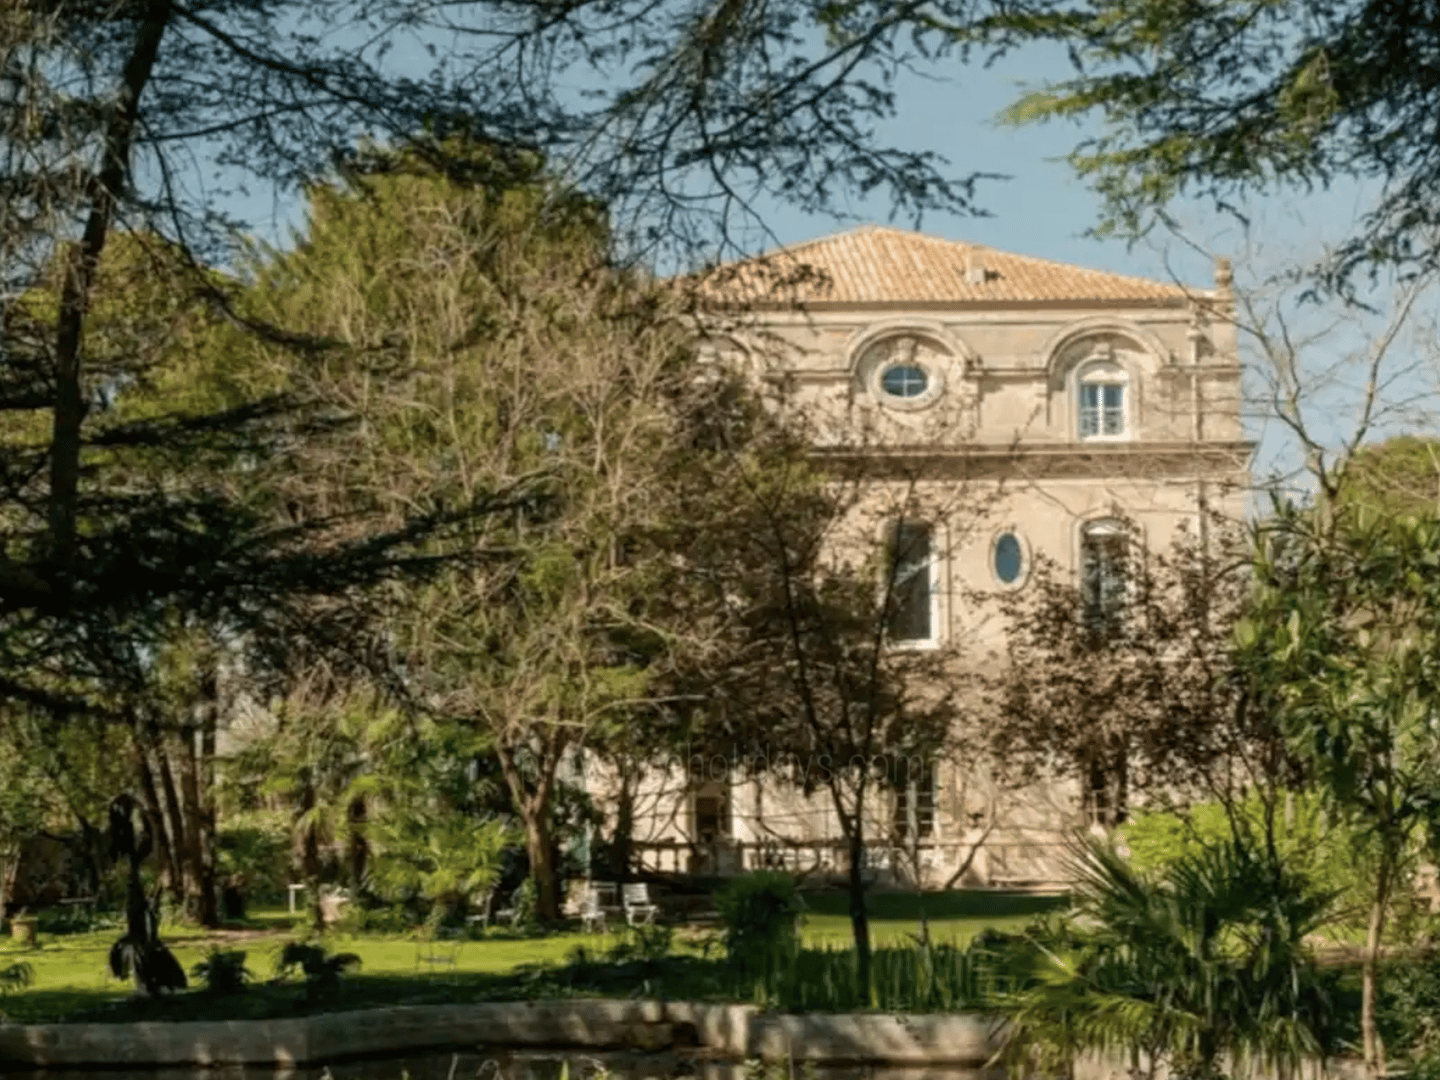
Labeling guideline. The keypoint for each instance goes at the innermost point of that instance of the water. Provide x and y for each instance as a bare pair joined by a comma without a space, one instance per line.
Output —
515,1065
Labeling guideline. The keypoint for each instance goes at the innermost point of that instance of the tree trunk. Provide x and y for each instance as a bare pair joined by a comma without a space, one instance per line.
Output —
164,853
306,856
624,837
357,849
197,845
82,265
1121,812
9,868
534,809
542,866
172,817
859,918
1369,976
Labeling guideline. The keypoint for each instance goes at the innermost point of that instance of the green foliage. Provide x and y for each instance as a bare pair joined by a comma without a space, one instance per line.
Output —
644,943
252,852
1205,963
443,858
925,977
1334,857
762,912
1339,648
1396,478
322,970
16,977
523,900
1410,1015
223,971
1233,99
357,918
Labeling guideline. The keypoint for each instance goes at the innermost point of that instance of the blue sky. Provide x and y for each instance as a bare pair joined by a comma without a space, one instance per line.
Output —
1043,210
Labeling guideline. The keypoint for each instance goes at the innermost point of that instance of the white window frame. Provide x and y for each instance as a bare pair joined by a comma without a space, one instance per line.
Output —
1103,373
934,566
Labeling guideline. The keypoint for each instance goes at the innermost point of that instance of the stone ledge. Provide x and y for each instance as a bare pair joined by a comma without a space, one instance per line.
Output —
734,1031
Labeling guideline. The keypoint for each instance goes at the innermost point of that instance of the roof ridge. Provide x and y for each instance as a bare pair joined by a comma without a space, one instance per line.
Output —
856,230
885,262
1090,269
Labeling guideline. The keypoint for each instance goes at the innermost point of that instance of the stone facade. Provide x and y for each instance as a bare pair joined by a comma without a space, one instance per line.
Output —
1025,405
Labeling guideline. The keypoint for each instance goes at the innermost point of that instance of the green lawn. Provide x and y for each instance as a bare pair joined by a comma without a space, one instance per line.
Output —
954,917
71,976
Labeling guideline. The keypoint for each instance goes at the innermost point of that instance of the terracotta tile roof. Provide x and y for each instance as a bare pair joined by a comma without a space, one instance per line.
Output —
877,264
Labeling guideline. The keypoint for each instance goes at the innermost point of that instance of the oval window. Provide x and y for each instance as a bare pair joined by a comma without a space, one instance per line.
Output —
905,380
1009,558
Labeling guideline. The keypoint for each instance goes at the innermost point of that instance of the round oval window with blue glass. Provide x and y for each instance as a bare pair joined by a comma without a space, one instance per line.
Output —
905,380
1009,559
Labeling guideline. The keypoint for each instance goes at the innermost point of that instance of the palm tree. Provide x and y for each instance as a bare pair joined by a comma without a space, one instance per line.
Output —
1202,967
443,857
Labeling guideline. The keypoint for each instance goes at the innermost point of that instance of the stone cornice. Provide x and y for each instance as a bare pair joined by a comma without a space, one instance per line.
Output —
1029,461
817,307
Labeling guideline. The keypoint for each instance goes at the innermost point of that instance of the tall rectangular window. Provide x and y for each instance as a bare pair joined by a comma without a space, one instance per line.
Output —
911,606
915,804
1104,553
1102,401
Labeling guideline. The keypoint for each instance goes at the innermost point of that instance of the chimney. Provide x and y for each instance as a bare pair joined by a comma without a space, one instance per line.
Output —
1223,276
974,268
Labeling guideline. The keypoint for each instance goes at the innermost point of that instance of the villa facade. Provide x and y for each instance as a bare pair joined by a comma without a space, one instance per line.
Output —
1071,400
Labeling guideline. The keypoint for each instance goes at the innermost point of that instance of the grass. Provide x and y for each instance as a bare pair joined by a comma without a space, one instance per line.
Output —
955,917
72,980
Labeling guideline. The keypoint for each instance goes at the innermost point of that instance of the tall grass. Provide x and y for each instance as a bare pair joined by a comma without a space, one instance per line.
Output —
916,978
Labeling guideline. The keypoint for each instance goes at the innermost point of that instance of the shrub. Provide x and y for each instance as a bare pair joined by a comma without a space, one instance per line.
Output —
642,943
16,977
761,912
322,971
1205,963
357,918
67,919
440,859
254,857
1409,1015
524,899
223,971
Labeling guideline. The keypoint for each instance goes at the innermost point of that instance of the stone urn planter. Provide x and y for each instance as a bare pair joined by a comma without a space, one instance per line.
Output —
22,929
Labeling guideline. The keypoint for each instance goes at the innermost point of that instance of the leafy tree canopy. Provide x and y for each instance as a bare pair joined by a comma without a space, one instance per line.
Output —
1399,477
1237,97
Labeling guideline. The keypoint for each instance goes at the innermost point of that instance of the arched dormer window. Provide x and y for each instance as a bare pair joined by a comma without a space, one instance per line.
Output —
1102,390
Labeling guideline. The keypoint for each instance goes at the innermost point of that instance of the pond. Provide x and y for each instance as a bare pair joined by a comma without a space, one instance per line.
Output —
501,1064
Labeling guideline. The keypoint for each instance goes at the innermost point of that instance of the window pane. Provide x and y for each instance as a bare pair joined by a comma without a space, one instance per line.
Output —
1089,410
1009,558
904,380
1113,422
911,597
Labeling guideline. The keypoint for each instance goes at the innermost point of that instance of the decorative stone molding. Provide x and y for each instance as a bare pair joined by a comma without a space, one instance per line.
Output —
1057,461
